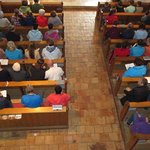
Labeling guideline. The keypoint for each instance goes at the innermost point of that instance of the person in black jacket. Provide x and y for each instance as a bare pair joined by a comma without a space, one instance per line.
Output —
139,93
4,75
5,102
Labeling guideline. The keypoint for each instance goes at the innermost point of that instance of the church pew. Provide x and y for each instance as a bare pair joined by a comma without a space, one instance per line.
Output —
23,30
129,105
146,7
12,119
122,27
111,42
39,44
134,138
60,15
123,17
8,7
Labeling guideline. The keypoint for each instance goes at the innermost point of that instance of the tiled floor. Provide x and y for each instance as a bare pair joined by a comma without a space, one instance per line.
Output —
92,116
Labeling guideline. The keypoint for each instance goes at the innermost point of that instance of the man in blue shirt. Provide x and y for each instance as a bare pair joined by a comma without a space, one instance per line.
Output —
31,99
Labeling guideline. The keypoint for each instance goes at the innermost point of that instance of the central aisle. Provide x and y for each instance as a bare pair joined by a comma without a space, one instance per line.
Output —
93,117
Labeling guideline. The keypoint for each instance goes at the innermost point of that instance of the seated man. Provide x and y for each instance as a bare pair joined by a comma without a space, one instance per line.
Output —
131,8
36,6
51,51
5,102
31,99
54,72
58,98
139,93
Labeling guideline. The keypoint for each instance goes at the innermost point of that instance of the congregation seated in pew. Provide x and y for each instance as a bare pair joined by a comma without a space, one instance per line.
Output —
139,93
36,6
138,70
24,8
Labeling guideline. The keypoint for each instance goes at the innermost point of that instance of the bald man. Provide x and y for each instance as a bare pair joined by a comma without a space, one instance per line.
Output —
54,72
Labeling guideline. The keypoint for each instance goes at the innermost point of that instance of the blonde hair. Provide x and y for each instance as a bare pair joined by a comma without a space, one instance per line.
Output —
11,44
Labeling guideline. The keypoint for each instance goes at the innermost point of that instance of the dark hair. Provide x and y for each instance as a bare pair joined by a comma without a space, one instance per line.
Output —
142,26
138,61
131,2
141,43
50,42
32,48
50,26
53,13
144,81
106,4
58,89
112,12
24,3
118,45
40,61
124,44
139,3
35,26
36,1
29,89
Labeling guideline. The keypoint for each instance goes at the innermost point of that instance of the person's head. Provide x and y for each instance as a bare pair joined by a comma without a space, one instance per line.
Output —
41,12
141,43
112,12
130,25
32,48
148,42
24,3
50,26
50,63
16,67
11,45
139,62
16,11
142,81
36,1
106,4
29,89
124,44
142,26
50,42
53,13
120,3
58,89
35,26
139,3
40,61
131,2
1,14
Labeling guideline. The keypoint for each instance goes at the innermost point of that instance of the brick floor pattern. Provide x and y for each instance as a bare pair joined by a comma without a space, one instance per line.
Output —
92,115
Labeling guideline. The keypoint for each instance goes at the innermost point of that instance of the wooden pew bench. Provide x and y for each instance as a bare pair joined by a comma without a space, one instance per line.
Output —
8,7
33,118
39,44
43,87
146,7
60,15
123,17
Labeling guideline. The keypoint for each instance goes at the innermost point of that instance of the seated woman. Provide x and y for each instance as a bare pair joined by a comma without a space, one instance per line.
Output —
35,34
129,32
147,48
131,8
24,8
141,33
139,7
17,73
12,52
139,93
140,124
41,20
5,102
31,99
37,71
51,34
32,52
111,17
54,19
139,70
4,22
137,49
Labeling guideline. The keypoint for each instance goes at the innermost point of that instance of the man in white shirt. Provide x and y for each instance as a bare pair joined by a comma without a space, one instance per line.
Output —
51,51
54,72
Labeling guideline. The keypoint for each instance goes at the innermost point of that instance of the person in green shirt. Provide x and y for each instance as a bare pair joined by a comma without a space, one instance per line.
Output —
36,6
24,8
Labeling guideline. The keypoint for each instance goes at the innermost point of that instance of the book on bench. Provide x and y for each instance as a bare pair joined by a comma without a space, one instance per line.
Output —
146,57
57,107
130,65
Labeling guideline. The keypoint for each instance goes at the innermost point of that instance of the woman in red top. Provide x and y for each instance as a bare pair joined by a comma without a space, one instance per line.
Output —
41,20
111,17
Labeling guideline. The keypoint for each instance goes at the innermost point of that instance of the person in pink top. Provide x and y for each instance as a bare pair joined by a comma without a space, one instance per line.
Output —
41,20
58,98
